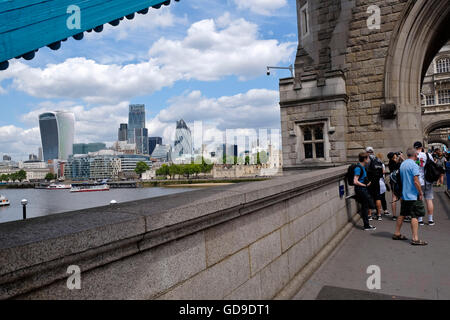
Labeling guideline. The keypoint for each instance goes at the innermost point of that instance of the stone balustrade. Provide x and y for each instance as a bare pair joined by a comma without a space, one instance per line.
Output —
245,241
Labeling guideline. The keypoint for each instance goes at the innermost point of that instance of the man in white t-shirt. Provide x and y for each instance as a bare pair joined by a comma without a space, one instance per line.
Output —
427,187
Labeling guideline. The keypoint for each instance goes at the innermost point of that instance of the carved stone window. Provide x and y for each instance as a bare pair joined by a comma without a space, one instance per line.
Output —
444,96
429,100
304,20
443,65
313,141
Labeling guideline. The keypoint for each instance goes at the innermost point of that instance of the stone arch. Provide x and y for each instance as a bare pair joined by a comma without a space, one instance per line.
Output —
442,141
444,123
418,36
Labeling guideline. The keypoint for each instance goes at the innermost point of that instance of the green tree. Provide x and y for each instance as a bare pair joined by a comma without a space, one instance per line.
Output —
163,171
50,176
174,170
141,167
263,157
21,175
5,177
247,160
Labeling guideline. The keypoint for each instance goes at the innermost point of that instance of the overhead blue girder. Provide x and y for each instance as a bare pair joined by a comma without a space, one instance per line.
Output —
27,25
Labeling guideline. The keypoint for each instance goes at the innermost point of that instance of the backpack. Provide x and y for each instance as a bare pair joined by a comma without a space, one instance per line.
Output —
432,170
396,181
350,176
375,170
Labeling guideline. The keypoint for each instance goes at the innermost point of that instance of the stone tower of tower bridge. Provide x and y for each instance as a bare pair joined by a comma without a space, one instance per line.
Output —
359,68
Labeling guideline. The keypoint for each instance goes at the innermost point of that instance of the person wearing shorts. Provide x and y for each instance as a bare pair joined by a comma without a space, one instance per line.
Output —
412,195
427,187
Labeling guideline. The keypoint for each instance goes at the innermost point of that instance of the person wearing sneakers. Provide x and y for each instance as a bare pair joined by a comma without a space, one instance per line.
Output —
427,187
361,184
375,173
412,196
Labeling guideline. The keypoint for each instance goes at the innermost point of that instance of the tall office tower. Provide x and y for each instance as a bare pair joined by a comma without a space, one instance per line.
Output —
183,141
40,155
141,140
136,120
123,132
6,158
152,142
57,134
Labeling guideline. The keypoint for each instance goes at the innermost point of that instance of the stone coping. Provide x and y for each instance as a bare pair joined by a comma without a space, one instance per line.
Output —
31,246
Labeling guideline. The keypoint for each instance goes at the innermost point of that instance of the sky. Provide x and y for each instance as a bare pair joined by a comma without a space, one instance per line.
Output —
197,60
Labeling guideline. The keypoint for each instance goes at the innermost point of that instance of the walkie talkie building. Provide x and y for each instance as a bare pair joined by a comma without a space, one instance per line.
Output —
57,134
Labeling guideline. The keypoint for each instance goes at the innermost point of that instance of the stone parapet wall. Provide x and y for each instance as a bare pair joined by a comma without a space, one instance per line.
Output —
245,241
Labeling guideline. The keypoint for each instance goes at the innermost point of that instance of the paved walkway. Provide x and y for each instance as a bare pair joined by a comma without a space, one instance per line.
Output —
406,271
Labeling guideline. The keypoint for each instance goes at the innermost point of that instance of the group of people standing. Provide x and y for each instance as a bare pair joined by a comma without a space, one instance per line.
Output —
411,179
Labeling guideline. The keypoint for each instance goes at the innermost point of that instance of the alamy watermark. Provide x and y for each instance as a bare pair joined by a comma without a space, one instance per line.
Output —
74,20
374,20
74,280
374,280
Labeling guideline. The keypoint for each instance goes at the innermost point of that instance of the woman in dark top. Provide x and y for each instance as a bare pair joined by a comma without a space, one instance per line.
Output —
395,160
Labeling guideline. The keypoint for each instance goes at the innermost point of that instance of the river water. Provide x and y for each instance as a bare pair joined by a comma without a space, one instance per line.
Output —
43,202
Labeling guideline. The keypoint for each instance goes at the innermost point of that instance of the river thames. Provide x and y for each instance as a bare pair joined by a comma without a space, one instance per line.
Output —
42,202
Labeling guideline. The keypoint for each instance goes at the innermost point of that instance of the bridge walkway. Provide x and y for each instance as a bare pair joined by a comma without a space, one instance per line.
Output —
406,271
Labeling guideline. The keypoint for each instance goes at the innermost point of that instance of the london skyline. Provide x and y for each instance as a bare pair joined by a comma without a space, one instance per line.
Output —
238,95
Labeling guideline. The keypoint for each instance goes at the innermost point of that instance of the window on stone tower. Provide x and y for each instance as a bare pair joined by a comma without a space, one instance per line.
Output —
443,65
313,141
304,19
429,100
444,96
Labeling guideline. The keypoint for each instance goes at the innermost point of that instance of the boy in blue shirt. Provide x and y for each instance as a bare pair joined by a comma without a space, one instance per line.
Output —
412,195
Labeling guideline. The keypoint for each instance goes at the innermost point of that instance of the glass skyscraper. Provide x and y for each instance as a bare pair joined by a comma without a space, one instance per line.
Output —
57,134
152,142
136,120
85,148
123,132
141,140
183,141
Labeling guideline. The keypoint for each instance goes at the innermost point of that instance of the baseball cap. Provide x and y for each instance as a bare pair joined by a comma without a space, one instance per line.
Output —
369,149
418,144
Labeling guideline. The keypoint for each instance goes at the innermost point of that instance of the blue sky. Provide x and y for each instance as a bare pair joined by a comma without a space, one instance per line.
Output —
201,60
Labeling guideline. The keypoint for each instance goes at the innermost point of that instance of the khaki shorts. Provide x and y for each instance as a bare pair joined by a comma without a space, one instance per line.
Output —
412,208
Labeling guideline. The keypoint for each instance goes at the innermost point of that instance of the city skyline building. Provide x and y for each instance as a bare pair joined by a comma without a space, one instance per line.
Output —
141,140
85,148
162,153
123,132
183,142
152,142
57,134
136,120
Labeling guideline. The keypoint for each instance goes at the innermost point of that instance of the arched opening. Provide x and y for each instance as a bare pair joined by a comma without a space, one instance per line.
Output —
421,32
438,133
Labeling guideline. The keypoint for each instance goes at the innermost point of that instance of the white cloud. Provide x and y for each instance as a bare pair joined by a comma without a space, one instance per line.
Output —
211,50
257,108
263,7
18,142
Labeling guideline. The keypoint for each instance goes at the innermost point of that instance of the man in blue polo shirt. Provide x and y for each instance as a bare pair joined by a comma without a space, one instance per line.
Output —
412,196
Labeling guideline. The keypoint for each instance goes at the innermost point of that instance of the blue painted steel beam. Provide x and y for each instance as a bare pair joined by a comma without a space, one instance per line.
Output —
27,25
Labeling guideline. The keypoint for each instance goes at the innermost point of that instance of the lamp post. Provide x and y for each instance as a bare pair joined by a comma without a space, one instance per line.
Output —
290,68
24,203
